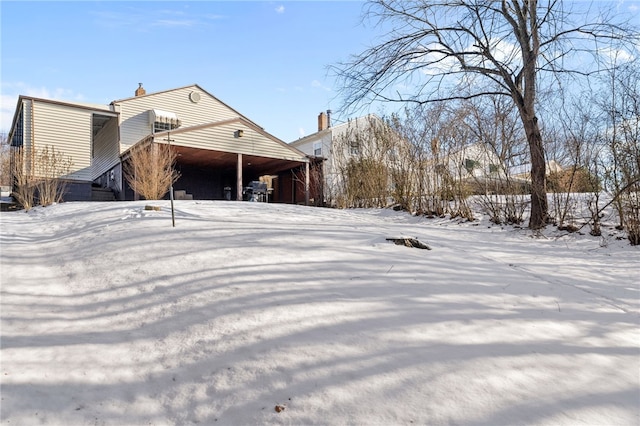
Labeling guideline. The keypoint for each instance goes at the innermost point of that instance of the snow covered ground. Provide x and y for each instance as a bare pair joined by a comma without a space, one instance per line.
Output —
111,316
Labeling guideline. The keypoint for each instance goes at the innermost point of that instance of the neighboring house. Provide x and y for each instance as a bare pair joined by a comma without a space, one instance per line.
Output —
335,147
476,162
476,165
523,171
219,150
408,173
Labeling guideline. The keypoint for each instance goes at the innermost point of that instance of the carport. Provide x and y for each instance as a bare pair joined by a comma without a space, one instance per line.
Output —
206,173
219,160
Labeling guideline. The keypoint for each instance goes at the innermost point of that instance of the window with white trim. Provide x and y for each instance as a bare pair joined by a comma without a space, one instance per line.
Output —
161,126
163,120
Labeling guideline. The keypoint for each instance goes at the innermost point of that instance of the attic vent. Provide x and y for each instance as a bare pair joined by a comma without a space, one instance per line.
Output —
163,120
194,97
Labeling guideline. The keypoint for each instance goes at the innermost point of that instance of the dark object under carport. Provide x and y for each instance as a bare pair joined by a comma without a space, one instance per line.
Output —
255,191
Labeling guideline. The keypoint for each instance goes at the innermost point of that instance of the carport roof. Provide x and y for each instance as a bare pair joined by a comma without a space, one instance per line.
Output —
282,157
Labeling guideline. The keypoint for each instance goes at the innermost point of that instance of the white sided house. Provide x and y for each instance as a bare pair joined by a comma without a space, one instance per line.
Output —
474,162
219,151
335,146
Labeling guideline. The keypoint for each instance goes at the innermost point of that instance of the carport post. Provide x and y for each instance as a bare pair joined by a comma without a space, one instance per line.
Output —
306,183
173,215
239,179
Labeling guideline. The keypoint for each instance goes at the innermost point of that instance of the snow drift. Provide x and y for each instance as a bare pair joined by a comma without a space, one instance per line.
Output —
252,313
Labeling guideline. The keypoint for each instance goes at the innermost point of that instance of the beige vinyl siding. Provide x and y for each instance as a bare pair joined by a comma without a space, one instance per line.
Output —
69,131
221,138
134,112
134,125
106,151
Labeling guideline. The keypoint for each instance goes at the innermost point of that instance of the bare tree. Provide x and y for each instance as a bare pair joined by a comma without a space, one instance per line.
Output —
438,48
149,169
5,160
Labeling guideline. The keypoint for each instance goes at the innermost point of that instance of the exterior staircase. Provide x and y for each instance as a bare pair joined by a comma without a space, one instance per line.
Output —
102,194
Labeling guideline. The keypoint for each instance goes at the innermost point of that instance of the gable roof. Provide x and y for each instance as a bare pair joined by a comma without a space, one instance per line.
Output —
296,154
82,105
182,88
335,129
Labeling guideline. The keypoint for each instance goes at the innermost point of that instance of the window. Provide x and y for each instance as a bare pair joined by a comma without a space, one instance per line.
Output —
317,149
17,139
470,164
159,126
163,120
354,147
493,168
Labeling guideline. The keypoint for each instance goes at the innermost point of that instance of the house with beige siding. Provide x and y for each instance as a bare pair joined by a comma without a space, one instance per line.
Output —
219,150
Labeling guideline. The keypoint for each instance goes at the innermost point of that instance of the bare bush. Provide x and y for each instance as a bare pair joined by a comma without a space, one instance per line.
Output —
5,160
366,183
149,169
621,106
50,168
500,147
39,176
23,183
372,166
631,206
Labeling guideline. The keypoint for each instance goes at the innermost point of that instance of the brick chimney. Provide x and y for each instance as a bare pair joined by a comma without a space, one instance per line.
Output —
323,122
140,91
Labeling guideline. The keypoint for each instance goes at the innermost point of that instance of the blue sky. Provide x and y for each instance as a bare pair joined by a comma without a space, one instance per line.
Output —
268,60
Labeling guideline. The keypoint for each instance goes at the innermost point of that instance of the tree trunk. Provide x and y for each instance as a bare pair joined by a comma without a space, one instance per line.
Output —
529,37
539,207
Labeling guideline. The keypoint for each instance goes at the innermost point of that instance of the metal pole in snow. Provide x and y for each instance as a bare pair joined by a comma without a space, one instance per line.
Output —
173,216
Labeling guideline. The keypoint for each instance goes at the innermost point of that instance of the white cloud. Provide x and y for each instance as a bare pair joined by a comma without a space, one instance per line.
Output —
8,103
439,63
214,17
302,132
144,21
11,92
279,9
174,23
318,85
615,55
